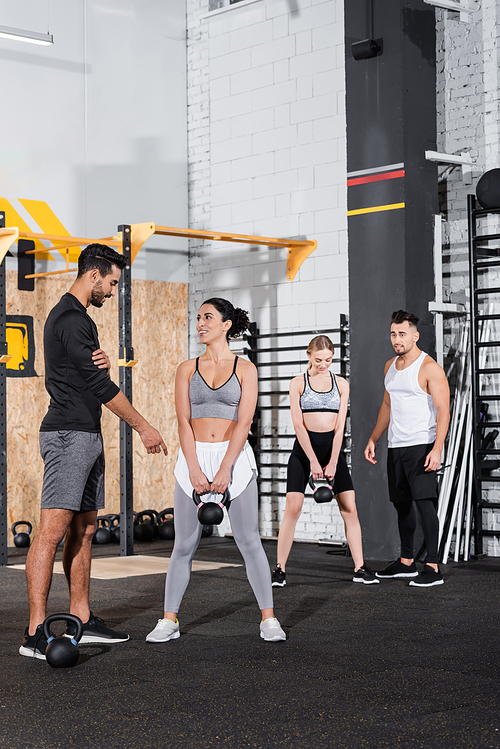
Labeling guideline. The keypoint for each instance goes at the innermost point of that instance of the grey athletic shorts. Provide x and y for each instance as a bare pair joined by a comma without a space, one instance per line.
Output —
73,477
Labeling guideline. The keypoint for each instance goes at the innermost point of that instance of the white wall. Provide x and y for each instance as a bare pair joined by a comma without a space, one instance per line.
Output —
468,89
95,125
267,156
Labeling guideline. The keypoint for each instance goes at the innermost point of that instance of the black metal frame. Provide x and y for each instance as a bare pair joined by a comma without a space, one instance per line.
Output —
254,353
126,353
3,415
479,426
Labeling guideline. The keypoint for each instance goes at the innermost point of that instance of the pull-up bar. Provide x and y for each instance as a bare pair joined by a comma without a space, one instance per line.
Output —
298,249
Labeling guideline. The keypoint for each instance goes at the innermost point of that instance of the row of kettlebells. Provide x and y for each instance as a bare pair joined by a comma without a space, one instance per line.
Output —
148,525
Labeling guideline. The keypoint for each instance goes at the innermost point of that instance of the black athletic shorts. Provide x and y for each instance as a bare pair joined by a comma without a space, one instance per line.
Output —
299,468
407,476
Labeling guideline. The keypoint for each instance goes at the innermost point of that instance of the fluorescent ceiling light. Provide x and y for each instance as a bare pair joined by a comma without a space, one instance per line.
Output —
21,35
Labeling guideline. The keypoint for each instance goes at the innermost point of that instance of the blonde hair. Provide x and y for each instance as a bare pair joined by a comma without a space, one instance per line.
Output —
319,343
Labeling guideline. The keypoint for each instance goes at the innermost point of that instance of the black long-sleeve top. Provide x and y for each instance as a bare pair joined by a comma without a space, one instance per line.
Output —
77,387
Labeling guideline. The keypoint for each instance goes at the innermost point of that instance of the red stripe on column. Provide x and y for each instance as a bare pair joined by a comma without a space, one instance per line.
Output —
375,178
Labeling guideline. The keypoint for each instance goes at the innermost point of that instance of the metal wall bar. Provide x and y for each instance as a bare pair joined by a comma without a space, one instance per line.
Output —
259,436
126,352
476,262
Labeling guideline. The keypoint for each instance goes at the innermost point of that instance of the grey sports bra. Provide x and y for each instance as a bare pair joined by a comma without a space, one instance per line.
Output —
214,403
313,400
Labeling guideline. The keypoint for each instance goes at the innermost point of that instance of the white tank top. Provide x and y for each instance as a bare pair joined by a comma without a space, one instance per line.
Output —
413,416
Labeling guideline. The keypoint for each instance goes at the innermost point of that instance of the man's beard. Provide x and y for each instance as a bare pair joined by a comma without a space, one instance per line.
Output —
97,295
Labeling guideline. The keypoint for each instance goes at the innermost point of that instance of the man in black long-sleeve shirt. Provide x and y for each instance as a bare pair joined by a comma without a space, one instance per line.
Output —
78,382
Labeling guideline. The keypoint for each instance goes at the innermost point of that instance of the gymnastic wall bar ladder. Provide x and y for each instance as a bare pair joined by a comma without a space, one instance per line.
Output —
258,439
298,249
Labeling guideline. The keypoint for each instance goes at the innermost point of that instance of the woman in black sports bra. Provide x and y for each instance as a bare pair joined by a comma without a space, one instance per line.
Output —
318,402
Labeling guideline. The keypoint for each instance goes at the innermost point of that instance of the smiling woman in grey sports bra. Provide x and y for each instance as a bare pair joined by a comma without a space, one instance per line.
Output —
318,402
215,399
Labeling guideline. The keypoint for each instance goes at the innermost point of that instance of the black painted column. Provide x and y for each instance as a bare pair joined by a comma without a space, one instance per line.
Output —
392,196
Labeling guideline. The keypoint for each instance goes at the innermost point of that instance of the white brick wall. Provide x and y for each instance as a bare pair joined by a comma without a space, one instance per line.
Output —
267,156
468,121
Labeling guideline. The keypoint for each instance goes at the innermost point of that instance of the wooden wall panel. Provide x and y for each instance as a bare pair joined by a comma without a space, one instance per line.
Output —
159,330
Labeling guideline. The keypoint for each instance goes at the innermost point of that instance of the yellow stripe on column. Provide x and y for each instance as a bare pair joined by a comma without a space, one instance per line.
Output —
376,209
50,224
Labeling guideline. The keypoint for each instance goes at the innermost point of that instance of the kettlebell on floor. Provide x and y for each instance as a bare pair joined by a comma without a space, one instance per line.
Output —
22,540
62,652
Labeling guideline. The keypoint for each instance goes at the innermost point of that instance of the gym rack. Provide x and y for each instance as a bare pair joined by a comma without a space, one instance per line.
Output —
277,360
484,299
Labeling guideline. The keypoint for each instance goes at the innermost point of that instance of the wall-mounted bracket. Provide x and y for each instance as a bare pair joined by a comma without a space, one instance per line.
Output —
462,159
452,5
8,236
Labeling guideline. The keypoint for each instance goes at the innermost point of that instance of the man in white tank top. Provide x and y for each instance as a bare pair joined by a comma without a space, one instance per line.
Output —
416,411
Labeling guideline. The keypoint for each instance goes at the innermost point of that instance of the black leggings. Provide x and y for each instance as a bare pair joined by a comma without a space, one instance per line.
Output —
407,523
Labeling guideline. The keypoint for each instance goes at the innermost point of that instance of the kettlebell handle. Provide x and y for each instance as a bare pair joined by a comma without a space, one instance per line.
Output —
150,514
224,502
313,485
22,522
67,618
160,518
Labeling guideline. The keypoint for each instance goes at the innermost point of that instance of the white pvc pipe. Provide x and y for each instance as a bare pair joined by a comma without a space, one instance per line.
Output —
468,511
459,492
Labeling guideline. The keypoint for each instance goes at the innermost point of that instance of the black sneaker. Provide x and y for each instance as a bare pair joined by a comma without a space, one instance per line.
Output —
95,630
364,575
398,569
428,578
34,645
278,577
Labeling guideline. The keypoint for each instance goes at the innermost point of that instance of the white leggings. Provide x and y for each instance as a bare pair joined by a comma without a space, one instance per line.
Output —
244,518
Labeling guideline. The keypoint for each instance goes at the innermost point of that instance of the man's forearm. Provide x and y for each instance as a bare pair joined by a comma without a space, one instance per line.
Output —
442,424
121,406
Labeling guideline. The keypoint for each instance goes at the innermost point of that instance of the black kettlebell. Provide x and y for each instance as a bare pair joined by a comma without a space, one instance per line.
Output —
102,534
62,652
22,540
207,531
165,525
145,529
114,528
321,493
211,513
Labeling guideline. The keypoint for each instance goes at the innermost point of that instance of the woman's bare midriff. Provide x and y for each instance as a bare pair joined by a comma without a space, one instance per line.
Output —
320,421
213,430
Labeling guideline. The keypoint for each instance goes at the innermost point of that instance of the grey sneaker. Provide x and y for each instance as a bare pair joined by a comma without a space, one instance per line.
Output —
270,630
165,630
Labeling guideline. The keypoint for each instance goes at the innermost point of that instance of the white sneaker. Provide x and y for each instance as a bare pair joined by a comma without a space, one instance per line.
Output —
165,630
270,630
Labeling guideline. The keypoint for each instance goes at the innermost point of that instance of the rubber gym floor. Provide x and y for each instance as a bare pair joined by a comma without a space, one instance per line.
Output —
372,666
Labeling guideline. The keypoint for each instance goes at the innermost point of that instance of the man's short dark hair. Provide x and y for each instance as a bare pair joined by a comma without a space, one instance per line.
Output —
400,316
99,256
